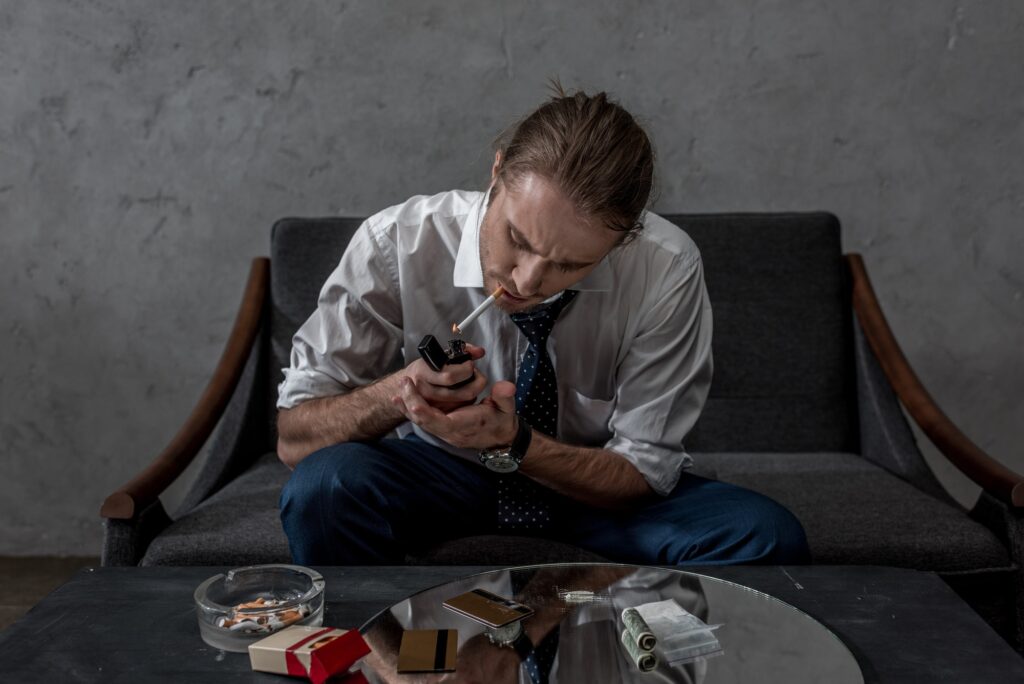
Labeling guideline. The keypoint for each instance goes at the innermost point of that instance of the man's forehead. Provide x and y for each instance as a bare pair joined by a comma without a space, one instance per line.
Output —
536,211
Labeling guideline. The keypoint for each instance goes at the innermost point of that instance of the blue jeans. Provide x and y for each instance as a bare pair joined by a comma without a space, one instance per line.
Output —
371,503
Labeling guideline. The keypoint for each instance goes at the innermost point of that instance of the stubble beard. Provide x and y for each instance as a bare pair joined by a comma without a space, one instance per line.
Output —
491,279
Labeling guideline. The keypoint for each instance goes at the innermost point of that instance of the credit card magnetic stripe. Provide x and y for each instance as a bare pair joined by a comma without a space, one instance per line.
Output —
428,650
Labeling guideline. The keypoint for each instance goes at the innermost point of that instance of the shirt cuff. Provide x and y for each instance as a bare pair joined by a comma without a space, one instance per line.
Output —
302,385
661,467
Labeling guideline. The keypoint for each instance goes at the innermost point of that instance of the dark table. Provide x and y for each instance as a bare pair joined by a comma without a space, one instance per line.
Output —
139,624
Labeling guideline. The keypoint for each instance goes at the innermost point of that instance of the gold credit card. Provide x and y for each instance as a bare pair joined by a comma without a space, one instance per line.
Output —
428,650
487,608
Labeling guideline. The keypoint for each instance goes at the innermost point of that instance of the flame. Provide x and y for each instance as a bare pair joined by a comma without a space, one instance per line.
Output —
455,329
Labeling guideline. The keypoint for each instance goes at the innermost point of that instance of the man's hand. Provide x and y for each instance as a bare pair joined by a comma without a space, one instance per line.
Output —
490,423
434,386
367,412
595,476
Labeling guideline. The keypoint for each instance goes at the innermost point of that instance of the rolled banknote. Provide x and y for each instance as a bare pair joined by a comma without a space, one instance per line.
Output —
638,629
644,660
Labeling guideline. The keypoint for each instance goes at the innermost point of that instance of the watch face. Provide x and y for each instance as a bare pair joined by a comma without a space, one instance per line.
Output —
501,464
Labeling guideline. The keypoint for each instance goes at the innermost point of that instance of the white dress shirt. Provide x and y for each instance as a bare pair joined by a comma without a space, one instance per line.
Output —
632,353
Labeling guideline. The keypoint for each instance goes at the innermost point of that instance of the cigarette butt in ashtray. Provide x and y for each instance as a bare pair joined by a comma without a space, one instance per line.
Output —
638,629
458,328
644,660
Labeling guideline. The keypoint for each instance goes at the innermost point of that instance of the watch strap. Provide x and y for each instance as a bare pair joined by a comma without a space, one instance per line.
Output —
521,443
522,645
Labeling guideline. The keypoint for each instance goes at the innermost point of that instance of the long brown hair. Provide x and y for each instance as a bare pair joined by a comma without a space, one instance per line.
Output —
591,148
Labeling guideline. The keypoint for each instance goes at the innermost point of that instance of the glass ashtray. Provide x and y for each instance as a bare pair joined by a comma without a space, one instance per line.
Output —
247,604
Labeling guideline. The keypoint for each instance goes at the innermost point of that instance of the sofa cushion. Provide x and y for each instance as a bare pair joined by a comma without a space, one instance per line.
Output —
855,513
239,525
784,377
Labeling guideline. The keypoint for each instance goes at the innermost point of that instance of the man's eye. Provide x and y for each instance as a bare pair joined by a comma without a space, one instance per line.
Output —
565,269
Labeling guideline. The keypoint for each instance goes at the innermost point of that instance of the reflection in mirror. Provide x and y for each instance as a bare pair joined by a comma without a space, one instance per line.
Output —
576,628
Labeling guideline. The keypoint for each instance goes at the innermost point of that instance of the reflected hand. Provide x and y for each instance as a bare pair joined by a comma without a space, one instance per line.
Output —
481,662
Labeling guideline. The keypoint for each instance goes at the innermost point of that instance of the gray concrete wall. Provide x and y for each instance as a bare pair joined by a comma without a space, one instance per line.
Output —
146,147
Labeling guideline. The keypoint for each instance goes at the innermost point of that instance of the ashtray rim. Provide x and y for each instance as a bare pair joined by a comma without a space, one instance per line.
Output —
208,605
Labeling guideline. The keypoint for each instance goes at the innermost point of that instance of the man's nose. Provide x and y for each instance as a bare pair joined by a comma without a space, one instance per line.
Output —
528,276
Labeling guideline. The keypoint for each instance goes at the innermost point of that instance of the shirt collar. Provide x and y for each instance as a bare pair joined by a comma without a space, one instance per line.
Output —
467,272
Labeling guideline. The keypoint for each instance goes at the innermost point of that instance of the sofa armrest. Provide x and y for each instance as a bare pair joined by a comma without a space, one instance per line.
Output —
885,437
141,491
243,434
995,478
126,541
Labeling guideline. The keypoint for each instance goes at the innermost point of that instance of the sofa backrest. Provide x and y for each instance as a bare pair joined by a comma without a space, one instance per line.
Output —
303,252
783,342
783,378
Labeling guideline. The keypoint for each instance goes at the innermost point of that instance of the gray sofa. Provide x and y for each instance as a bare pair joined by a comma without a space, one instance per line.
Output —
804,406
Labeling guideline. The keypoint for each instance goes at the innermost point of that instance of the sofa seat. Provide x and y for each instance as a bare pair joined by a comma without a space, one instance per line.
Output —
854,513
239,525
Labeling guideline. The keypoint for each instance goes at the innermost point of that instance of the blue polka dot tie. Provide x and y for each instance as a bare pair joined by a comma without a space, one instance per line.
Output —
542,659
521,503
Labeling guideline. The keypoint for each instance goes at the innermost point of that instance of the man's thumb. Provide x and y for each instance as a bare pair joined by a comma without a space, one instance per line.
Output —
475,352
503,394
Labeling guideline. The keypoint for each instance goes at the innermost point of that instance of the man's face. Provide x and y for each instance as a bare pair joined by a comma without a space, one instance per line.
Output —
534,243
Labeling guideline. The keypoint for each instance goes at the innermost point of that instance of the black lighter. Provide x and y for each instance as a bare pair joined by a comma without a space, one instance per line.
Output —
437,356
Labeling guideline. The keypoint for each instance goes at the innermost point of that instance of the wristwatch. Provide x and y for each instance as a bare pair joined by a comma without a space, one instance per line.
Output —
506,459
512,636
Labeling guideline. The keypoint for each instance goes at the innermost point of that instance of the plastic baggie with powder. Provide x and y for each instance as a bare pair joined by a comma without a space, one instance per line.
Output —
681,636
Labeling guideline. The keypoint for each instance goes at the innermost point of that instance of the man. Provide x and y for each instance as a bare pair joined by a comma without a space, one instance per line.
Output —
592,368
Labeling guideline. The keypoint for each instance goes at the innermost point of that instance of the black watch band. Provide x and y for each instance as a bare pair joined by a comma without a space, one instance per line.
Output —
521,443
522,645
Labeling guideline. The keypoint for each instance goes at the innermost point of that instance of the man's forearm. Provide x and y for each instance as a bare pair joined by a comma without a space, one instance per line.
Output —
597,477
365,413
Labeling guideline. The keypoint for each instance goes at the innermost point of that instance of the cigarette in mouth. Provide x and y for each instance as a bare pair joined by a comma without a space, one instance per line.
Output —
457,328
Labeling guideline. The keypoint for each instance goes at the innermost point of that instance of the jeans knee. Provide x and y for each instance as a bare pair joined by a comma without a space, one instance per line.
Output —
780,536
325,478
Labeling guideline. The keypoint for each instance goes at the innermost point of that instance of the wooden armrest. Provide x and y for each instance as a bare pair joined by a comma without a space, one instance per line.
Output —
992,476
145,487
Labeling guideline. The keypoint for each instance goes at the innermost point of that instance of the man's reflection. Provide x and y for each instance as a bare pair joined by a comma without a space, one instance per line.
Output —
573,642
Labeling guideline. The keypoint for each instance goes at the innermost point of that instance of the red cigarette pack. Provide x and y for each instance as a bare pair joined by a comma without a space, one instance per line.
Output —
316,653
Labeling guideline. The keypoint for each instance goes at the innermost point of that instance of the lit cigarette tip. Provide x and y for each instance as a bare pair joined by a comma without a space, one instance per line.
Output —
455,329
